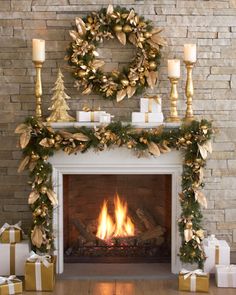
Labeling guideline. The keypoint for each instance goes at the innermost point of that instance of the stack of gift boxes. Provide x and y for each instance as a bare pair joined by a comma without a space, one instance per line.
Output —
217,262
17,260
150,111
88,115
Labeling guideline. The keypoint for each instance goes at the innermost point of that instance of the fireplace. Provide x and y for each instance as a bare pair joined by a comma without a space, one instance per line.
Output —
117,218
135,174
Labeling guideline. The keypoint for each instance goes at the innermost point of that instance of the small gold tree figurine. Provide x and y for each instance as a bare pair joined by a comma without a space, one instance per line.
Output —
59,105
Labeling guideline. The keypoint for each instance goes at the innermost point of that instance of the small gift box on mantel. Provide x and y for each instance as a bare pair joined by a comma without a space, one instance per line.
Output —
138,117
88,115
225,276
40,272
11,233
217,252
193,281
10,285
151,104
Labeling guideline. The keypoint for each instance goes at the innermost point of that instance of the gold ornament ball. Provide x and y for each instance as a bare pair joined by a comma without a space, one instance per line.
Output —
38,212
132,83
43,189
152,65
82,73
118,28
125,82
147,34
127,29
35,157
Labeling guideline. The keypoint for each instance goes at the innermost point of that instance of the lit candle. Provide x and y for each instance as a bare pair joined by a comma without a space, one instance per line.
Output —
173,68
38,50
190,52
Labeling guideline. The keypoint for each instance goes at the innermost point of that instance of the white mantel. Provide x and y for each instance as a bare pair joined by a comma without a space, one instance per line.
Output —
116,161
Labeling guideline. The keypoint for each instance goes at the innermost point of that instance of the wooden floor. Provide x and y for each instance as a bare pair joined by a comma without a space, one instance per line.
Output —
142,287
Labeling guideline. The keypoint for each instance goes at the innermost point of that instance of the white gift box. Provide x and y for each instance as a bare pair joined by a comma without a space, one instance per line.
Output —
138,117
150,105
13,257
91,116
211,240
217,252
226,276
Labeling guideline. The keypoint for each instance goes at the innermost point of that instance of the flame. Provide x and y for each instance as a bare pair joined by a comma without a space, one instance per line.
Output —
122,227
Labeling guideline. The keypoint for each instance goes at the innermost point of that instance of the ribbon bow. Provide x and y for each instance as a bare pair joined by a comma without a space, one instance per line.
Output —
44,259
9,280
88,109
189,273
9,226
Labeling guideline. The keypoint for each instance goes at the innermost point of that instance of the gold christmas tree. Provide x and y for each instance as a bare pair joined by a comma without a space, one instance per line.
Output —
59,105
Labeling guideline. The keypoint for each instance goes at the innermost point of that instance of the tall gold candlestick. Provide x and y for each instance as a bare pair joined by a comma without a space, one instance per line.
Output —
38,90
189,90
173,101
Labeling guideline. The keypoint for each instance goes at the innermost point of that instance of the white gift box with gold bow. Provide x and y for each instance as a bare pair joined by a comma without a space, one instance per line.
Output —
13,257
217,252
150,105
90,116
138,117
226,276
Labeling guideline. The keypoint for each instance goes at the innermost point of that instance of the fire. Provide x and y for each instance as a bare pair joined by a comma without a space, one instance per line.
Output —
122,227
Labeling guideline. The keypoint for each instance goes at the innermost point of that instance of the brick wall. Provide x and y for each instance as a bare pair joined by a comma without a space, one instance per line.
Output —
210,24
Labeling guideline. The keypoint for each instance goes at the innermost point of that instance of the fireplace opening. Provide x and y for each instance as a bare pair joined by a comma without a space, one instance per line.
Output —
117,218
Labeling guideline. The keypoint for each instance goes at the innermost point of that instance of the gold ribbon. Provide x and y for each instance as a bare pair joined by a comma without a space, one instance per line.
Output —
92,116
217,254
12,259
146,118
150,102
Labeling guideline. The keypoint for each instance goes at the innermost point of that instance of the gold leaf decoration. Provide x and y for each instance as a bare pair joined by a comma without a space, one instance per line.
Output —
110,9
203,151
66,134
74,35
24,139
131,14
81,27
153,149
97,64
37,236
22,128
131,91
33,197
188,234
88,89
52,197
201,198
152,79
133,39
158,40
46,142
121,95
80,137
23,164
121,36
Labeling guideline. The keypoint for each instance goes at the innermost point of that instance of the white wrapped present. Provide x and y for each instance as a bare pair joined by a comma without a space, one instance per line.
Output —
13,257
211,240
150,105
217,252
138,117
90,116
226,276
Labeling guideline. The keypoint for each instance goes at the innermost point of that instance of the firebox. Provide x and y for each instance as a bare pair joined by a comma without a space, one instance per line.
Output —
117,217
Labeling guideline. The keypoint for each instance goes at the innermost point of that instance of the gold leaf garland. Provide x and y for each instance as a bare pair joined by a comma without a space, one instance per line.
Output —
126,26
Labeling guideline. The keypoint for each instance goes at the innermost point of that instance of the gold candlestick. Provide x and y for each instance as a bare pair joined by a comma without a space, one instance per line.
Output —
38,89
173,101
189,90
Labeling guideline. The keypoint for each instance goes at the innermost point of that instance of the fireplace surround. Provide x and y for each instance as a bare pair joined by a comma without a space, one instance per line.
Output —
116,162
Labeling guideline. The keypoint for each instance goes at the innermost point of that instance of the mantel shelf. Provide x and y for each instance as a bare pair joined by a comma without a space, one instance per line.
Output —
61,125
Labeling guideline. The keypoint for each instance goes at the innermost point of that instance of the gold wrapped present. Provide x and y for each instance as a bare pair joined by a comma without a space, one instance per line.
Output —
10,285
40,272
11,233
193,281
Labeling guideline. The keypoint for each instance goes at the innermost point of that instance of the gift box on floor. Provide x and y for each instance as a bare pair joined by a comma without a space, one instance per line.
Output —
150,105
40,272
193,281
217,252
138,117
13,257
226,276
10,285
11,233
90,116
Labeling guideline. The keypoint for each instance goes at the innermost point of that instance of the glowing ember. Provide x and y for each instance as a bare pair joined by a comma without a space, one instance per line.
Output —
122,227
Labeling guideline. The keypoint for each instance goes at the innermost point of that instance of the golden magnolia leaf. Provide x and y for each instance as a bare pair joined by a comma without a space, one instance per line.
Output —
33,197
88,90
121,95
32,165
188,234
37,236
208,146
131,91
153,149
201,198
24,139
66,135
80,137
153,44
152,78
80,26
201,175
52,197
22,128
121,36
203,151
131,14
110,9
45,142
97,64
73,34
23,164
133,39
156,31
158,40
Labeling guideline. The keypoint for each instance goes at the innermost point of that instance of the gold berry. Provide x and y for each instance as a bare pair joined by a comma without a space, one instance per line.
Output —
127,29
44,189
147,34
152,65
125,82
117,28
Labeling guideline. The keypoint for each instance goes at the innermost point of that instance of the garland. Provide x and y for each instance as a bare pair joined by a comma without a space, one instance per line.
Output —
125,25
39,141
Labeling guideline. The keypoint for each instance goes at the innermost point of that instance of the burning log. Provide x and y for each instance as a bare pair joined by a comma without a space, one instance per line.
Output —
146,218
153,233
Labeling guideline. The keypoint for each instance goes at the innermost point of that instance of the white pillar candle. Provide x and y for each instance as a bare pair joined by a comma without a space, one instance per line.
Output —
190,52
38,50
173,68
